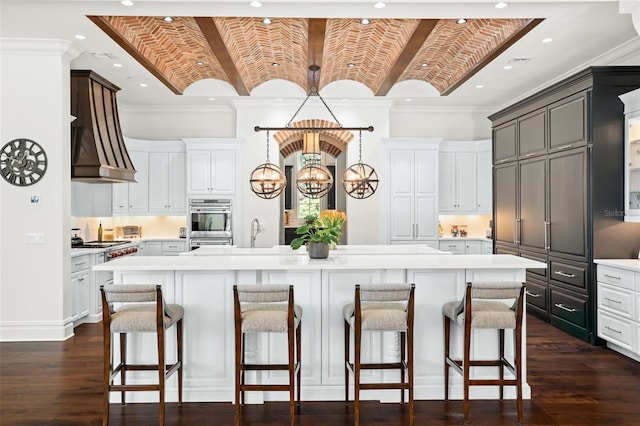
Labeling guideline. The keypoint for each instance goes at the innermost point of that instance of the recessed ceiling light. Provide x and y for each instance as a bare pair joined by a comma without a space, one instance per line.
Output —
461,21
479,86
80,37
365,21
144,85
501,5
408,100
199,63
507,67
255,4
117,65
212,99
424,65
351,65
380,5
275,64
266,21
167,19
547,40
126,3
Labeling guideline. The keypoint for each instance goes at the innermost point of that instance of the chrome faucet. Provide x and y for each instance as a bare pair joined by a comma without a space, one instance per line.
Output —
255,230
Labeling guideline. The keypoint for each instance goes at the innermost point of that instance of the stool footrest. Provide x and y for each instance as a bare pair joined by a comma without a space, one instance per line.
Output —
133,388
259,367
273,387
399,386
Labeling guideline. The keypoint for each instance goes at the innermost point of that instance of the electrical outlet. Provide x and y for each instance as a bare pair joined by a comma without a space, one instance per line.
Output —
34,238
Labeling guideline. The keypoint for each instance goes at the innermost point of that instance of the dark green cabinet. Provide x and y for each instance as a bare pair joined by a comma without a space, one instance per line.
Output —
558,175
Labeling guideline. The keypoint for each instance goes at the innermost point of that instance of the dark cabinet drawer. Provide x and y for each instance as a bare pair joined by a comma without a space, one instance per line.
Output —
504,142
575,275
537,293
542,272
571,308
532,139
568,122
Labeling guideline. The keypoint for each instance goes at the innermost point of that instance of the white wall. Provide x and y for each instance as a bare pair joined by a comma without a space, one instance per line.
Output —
450,123
35,303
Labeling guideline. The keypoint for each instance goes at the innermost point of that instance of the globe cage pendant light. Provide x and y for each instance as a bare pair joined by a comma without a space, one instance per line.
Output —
314,180
267,180
360,180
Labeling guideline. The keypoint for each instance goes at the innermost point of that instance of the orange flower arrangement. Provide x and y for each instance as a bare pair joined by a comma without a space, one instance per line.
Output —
327,228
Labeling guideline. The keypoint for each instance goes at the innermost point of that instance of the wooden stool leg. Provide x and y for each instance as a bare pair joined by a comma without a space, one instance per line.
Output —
501,350
447,335
347,332
292,375
411,371
162,376
123,361
518,366
239,349
179,336
356,378
466,369
108,362
403,358
298,359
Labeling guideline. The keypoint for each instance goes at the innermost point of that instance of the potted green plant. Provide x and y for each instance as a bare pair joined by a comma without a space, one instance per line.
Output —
318,235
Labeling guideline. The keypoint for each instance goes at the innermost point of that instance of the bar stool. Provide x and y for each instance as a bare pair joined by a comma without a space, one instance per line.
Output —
476,312
380,307
267,309
141,309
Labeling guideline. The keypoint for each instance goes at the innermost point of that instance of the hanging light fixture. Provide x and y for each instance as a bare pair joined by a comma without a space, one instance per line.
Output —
314,180
360,180
267,180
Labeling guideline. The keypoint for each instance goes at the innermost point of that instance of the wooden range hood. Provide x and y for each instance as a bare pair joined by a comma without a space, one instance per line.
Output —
98,152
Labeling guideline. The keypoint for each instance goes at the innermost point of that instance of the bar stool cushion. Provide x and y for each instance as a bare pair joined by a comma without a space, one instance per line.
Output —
484,314
267,317
379,316
141,318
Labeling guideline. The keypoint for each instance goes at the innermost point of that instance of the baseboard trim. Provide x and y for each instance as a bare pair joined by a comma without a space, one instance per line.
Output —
35,331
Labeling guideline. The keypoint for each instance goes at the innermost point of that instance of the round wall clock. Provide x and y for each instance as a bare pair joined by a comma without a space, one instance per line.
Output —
23,162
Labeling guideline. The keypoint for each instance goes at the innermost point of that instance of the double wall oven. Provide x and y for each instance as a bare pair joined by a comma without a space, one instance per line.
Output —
209,222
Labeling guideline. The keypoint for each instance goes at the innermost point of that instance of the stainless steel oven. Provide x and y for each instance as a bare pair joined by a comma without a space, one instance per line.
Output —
210,222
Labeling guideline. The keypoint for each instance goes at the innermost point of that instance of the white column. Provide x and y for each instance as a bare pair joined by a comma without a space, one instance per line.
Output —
35,302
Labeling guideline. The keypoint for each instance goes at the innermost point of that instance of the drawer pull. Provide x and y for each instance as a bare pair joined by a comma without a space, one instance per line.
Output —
564,308
564,147
534,295
612,329
81,264
611,276
612,300
564,274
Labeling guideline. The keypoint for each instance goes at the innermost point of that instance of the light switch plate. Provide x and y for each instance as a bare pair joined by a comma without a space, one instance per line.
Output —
34,238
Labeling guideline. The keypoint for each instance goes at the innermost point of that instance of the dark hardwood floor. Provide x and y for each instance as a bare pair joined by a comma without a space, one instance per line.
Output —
573,383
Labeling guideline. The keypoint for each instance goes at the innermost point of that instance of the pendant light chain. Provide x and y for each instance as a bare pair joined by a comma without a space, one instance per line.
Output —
360,148
313,90
268,147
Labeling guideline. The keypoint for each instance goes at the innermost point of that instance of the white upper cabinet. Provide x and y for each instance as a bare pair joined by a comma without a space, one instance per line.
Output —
413,193
167,182
132,197
465,177
632,156
212,166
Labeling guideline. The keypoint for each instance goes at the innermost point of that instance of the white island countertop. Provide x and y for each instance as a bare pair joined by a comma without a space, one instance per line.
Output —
334,262
340,250
630,264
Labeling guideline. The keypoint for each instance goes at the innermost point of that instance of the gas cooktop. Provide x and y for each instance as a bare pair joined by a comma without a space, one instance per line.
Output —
101,244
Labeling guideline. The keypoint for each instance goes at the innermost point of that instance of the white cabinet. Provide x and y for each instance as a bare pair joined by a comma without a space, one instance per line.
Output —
212,166
486,247
153,248
618,309
167,182
413,194
173,248
465,177
632,156
91,200
211,172
132,197
466,246
80,288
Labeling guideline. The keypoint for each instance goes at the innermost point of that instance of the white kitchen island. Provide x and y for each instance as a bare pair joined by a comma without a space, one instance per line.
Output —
203,285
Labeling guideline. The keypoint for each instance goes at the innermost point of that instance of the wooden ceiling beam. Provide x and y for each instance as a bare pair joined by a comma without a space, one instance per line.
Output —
315,51
131,50
417,40
219,49
507,43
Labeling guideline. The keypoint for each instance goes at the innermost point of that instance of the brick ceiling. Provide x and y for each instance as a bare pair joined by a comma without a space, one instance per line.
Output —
242,51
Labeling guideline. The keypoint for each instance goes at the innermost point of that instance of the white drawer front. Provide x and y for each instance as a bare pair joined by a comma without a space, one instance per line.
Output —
638,339
617,330
636,315
619,301
173,246
78,263
615,276
453,246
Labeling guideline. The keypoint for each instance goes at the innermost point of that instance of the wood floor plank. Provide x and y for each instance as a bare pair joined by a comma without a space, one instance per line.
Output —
572,383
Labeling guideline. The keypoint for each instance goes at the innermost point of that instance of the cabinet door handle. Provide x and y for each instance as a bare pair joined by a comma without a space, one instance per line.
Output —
531,154
564,308
515,236
517,230
612,329
534,295
546,235
613,300
611,276
564,147
564,274
416,230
